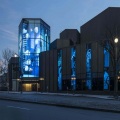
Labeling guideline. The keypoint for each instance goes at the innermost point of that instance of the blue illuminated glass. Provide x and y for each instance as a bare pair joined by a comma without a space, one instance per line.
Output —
106,58
88,67
106,80
59,69
73,68
106,67
34,39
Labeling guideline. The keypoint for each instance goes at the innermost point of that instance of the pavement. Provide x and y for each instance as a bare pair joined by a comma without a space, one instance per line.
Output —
104,103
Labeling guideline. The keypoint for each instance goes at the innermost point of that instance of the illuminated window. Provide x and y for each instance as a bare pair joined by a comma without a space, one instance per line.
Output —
106,68
34,37
59,69
88,67
73,68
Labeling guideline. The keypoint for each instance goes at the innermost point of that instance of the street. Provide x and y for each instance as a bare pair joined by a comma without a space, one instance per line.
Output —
10,110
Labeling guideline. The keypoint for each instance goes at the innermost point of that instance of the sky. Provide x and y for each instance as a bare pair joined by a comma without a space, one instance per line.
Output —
58,14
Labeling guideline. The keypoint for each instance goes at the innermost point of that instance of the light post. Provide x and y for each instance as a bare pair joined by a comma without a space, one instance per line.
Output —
116,76
73,84
41,86
8,86
20,84
19,70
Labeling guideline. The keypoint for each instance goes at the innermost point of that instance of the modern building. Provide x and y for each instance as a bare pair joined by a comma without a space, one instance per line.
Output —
58,65
14,73
34,38
86,61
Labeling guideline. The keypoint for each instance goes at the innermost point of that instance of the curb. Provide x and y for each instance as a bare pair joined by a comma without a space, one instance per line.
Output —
62,105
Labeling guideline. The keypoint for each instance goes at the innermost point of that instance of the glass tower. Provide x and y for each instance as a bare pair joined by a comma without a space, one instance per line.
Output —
34,37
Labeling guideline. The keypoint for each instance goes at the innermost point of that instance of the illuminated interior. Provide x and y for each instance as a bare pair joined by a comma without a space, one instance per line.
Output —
34,37
27,87
106,67
88,67
73,68
59,69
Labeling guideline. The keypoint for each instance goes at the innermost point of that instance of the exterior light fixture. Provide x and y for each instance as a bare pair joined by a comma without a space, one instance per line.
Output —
15,55
116,71
116,40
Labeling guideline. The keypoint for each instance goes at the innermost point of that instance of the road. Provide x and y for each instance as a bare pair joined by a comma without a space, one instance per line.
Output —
10,110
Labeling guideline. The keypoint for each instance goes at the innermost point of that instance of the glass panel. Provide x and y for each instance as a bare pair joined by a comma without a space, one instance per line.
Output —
31,31
37,21
106,68
59,69
30,65
32,41
37,31
25,29
88,67
73,68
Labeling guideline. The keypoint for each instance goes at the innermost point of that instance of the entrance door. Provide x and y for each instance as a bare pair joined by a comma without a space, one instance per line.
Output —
27,87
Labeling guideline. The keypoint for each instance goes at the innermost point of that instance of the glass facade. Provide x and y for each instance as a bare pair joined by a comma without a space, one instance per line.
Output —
59,69
106,68
73,68
88,67
34,37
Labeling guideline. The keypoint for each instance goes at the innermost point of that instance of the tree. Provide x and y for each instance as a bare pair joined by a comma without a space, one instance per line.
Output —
6,55
1,67
111,34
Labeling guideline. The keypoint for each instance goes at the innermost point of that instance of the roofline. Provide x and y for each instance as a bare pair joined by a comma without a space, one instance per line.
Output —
99,14
34,19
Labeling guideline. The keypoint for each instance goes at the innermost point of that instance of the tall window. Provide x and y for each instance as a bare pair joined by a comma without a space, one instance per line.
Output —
106,68
59,69
73,68
88,67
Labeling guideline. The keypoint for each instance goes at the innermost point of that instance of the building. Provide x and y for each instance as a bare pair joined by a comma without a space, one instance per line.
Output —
14,73
58,64
86,61
3,82
34,37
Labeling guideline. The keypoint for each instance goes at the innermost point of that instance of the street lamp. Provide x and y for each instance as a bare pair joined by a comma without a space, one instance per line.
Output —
116,40
20,84
19,70
41,79
116,77
15,55
73,79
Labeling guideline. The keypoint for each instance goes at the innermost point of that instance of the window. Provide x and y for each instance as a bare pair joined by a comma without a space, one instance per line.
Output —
73,68
106,68
59,69
88,67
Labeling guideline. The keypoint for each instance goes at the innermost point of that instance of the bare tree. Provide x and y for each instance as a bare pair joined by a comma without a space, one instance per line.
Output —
1,67
108,43
6,55
3,76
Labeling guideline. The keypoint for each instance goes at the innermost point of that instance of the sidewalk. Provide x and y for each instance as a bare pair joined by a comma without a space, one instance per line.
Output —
83,101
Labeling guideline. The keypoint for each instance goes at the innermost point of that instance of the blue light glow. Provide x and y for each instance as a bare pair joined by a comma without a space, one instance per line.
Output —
106,81
73,68
106,68
59,69
106,58
88,67
31,43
